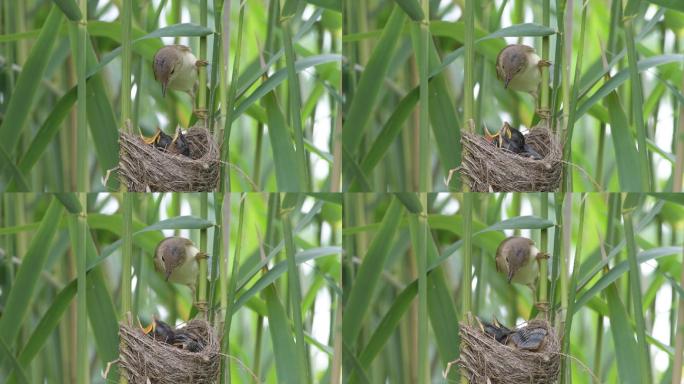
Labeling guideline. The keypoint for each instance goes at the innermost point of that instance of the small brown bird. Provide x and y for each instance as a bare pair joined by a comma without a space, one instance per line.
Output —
177,258
518,258
175,67
519,67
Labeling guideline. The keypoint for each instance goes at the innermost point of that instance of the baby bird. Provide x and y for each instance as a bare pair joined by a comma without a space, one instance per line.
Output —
177,258
512,140
175,67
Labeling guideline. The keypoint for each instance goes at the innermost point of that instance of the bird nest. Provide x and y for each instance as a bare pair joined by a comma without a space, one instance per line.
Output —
146,360
145,168
487,168
484,360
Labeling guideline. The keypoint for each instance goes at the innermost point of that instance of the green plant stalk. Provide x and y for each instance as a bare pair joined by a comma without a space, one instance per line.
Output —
424,138
566,185
202,95
679,151
232,94
225,236
227,322
223,18
679,337
82,138
126,59
127,253
203,266
295,292
82,314
544,245
566,374
469,81
546,21
637,100
565,252
418,231
295,102
467,251
635,285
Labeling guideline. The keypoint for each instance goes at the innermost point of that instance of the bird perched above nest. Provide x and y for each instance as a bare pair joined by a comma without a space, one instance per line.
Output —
513,140
175,67
519,67
177,144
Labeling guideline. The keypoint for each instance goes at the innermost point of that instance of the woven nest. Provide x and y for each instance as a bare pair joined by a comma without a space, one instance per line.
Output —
484,360
486,167
144,168
146,360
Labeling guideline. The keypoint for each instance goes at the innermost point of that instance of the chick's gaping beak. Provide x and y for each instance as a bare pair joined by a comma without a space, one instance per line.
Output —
491,138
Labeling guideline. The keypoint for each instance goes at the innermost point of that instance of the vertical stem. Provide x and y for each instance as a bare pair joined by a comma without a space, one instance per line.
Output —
679,163
544,244
546,21
203,268
225,341
82,138
469,83
679,338
202,94
82,315
424,138
565,253
635,289
467,250
127,252
423,366
126,58
223,263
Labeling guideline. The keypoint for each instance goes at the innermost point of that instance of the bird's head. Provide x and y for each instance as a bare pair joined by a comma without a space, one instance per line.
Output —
492,138
165,64
511,61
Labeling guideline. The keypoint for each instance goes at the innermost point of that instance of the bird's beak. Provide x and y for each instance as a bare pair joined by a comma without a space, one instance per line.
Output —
489,136
164,84
168,274
510,274
506,82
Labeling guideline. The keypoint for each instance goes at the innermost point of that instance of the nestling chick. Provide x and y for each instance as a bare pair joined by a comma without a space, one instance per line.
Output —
177,258
517,258
512,140
175,67
527,338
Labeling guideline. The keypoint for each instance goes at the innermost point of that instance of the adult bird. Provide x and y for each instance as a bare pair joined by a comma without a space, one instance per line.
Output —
177,258
519,67
518,258
176,68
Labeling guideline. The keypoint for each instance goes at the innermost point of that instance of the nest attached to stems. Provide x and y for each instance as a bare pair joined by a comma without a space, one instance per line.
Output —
486,361
146,360
487,168
144,168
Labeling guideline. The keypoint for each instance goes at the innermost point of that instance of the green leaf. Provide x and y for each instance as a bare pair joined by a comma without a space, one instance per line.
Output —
70,202
677,5
370,83
22,100
70,9
410,201
288,177
629,170
20,297
520,30
519,222
289,368
618,270
412,9
625,346
369,272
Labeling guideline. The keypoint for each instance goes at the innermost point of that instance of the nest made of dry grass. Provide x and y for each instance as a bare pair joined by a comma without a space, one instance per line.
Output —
144,358
143,168
487,168
484,360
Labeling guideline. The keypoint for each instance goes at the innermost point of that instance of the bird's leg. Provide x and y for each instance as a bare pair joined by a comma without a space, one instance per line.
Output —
204,63
542,256
543,63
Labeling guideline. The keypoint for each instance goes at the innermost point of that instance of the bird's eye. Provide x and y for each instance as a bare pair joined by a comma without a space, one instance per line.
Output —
162,258
173,70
